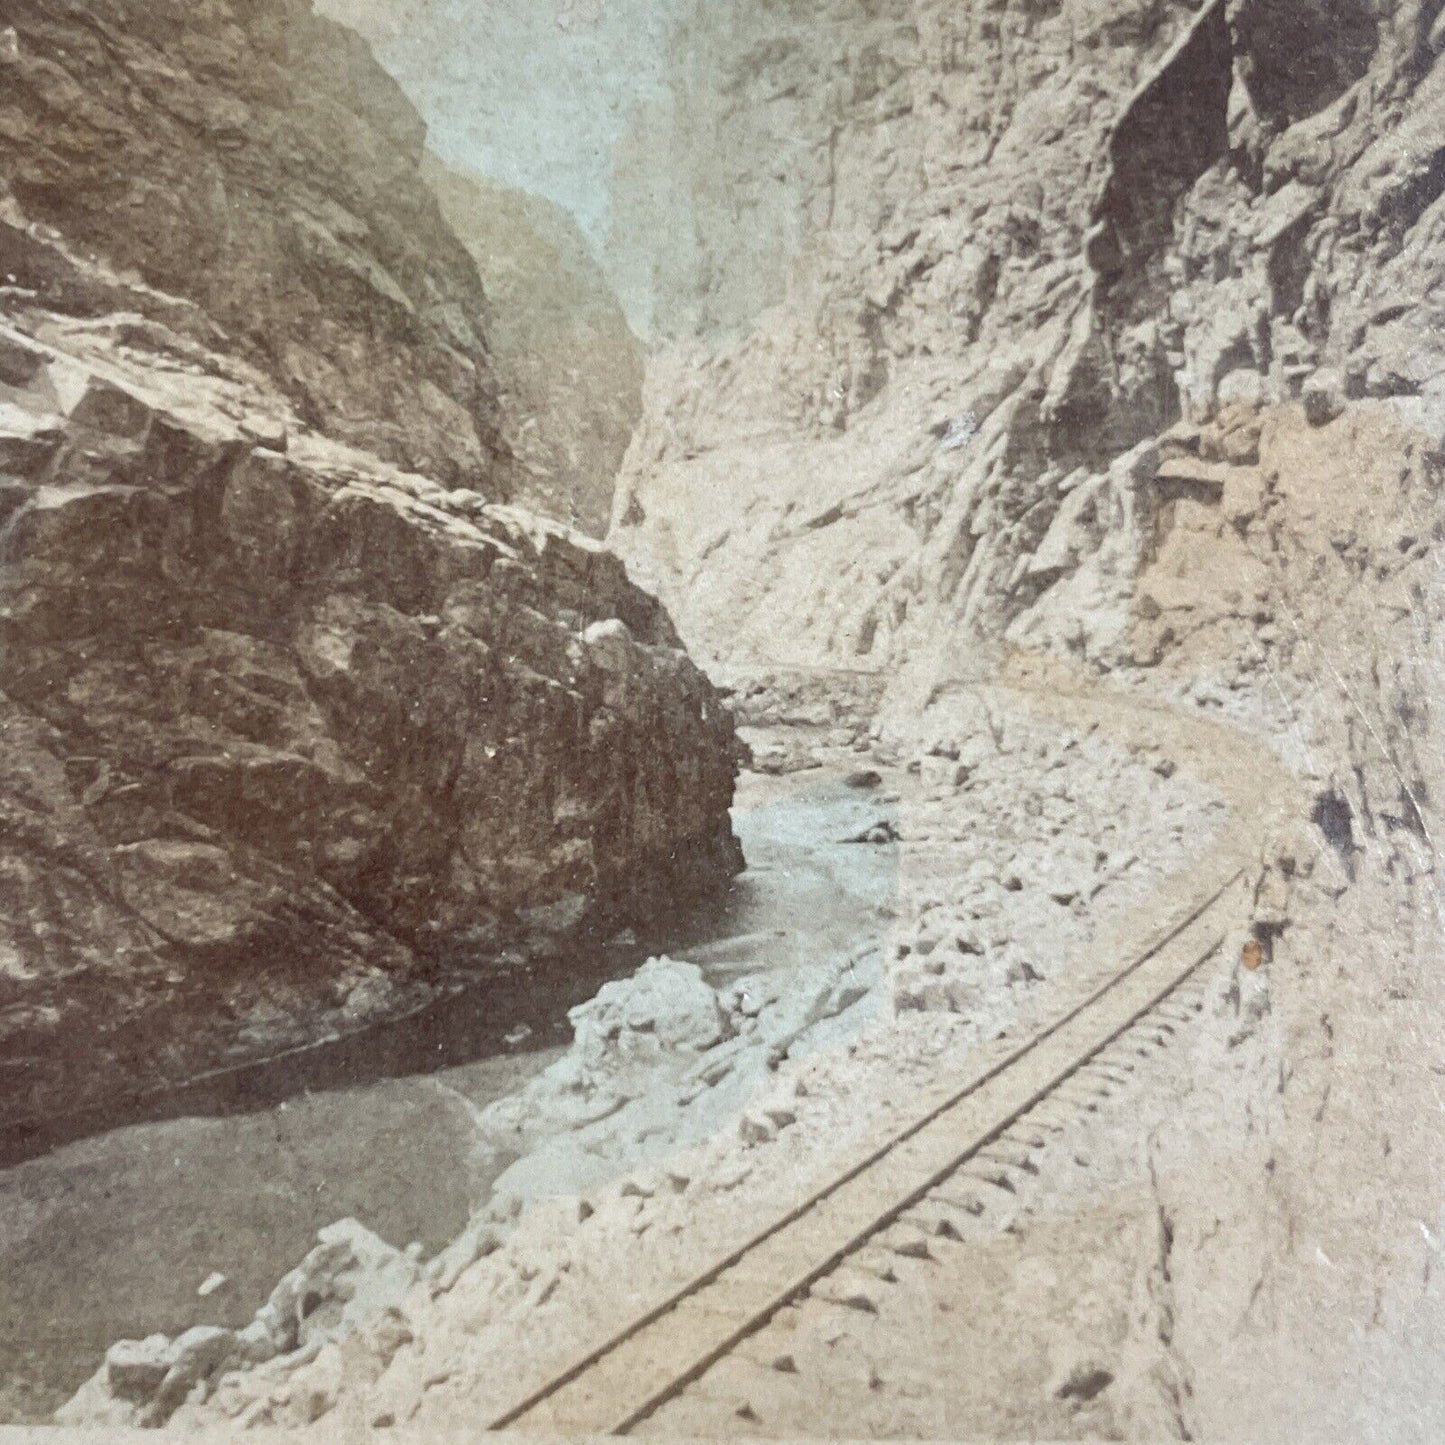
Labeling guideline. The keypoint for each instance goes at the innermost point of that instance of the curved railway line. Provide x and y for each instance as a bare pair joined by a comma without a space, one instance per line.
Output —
975,1139
980,1135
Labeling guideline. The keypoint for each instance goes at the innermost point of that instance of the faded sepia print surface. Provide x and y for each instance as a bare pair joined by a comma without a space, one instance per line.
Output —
718,719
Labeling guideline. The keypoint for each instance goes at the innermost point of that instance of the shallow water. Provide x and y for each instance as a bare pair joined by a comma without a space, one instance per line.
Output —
110,1237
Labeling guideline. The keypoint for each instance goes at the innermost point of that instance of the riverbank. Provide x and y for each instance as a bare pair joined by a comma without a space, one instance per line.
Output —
112,1235
754,1093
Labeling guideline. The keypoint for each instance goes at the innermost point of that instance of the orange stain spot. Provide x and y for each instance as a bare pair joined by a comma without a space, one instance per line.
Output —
1252,954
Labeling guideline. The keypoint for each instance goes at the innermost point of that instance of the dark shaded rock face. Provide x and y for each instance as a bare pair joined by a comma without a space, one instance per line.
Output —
289,734
253,158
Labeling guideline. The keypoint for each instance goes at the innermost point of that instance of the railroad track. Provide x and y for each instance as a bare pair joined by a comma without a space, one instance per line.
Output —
977,1138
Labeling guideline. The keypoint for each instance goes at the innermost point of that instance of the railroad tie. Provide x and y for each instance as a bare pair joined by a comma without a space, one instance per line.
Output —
1013,1158
1031,1134
956,1197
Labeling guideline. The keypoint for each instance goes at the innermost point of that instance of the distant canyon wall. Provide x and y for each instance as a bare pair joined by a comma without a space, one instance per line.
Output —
568,366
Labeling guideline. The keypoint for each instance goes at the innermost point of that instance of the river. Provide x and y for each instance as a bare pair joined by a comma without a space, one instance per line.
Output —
111,1236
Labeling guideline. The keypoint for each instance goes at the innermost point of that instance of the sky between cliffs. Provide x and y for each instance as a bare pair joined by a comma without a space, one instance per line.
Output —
534,93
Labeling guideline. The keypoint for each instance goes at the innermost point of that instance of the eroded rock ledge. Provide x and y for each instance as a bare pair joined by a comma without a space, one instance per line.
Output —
291,735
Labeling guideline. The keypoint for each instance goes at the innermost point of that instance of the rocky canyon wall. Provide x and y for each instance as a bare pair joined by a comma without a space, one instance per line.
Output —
1035,238
1118,332
1092,303
568,366
294,735
254,159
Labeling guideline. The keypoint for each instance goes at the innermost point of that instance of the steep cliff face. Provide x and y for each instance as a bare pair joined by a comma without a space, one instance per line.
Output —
568,367
864,430
253,158
746,131
292,735
288,730
1036,237
1305,1208
1086,297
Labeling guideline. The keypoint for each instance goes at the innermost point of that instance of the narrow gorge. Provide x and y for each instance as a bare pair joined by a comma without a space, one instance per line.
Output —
614,612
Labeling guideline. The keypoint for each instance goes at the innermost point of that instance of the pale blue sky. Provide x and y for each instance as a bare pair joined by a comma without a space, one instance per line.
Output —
512,89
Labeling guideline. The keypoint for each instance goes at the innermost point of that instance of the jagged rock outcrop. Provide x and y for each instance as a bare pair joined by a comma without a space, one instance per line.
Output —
352,1283
292,735
568,365
255,160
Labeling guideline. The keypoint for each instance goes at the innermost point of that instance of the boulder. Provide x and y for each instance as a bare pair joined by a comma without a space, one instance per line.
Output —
1324,396
134,1369
348,1280
665,1001
194,1357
